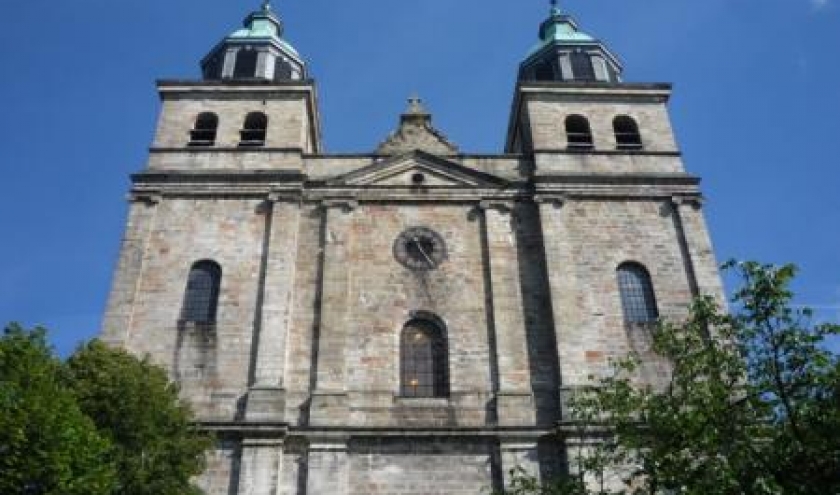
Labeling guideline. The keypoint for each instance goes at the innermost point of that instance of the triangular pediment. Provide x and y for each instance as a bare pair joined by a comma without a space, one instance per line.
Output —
418,168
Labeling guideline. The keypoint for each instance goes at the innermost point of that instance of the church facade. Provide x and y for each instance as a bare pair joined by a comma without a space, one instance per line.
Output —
412,320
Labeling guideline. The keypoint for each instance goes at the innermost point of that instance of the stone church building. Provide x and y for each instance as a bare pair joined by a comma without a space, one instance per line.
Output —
410,320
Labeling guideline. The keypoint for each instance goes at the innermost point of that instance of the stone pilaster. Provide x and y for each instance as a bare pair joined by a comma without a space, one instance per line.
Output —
329,399
514,399
519,454
329,467
260,467
116,324
266,398
698,244
563,284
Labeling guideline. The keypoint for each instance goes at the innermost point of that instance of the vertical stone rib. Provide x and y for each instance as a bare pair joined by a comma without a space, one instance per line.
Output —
329,399
116,324
279,293
701,256
514,399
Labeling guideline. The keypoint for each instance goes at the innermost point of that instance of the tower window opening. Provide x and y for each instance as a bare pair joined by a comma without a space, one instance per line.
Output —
204,130
544,72
627,136
254,130
638,299
202,295
282,69
424,360
246,64
582,68
578,133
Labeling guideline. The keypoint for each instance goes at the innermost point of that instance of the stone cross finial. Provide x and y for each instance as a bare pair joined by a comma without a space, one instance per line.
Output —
415,106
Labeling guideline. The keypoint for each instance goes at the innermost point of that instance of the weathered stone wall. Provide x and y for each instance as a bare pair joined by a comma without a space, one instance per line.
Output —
420,467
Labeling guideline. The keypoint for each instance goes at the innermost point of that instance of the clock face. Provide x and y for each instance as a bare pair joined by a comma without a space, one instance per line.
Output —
420,248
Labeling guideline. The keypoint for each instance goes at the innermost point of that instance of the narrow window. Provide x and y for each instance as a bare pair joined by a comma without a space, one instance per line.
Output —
204,130
202,295
578,133
544,72
627,136
637,297
424,360
253,132
246,64
582,69
282,70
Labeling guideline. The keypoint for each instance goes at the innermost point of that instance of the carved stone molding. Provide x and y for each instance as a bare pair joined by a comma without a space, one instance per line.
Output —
694,201
556,200
345,205
147,198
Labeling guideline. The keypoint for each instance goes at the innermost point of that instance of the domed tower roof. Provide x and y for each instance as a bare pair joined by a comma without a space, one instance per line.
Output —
565,53
257,51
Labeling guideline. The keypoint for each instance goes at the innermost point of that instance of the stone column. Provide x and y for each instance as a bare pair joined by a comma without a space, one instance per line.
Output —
266,399
329,467
563,284
260,467
116,325
698,246
521,453
514,399
329,399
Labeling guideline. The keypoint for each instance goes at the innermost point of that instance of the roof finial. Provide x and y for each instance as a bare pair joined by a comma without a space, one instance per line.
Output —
555,7
266,5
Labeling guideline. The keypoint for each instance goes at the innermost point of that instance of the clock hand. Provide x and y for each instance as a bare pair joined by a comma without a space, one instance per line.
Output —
423,251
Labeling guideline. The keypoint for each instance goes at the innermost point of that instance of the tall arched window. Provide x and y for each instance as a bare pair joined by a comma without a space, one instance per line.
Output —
204,130
246,64
578,132
627,136
202,295
424,360
638,299
254,129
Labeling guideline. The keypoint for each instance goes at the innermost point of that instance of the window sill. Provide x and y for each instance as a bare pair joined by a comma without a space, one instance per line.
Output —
421,401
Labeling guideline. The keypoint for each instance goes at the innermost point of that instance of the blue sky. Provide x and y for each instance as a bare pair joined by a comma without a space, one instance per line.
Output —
756,110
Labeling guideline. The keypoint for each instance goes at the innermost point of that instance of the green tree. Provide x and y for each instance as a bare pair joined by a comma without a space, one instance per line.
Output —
157,448
751,406
47,445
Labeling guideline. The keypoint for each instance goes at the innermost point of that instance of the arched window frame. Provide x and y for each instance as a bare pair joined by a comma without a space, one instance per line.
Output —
627,135
204,129
638,296
578,133
254,129
201,296
424,370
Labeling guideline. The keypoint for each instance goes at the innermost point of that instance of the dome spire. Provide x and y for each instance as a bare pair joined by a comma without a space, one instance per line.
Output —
555,7
266,6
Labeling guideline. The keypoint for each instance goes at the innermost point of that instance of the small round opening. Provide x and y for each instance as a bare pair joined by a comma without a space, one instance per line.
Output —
418,178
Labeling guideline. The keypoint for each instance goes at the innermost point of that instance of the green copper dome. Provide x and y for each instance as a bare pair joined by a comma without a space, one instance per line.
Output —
255,51
560,28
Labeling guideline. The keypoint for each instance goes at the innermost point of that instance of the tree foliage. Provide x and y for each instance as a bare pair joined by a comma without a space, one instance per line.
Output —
103,422
751,405
155,446
47,445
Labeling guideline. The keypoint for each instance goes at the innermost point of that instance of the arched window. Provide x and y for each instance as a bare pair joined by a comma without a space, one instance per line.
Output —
204,130
424,360
246,64
578,133
202,295
627,136
253,131
638,299
582,69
